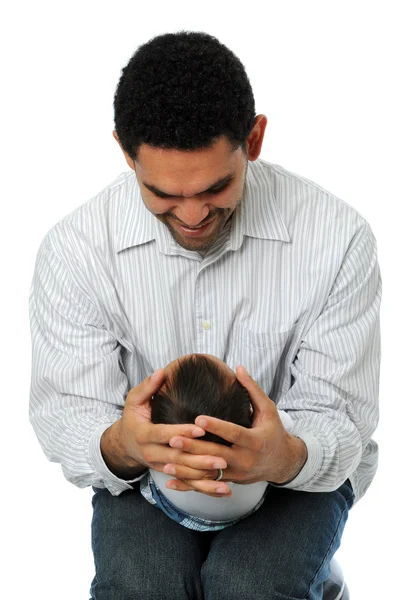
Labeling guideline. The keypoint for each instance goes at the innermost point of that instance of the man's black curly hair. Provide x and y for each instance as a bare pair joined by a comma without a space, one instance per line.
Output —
183,91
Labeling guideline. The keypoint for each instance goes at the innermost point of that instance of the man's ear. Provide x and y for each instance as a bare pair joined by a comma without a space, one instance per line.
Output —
115,135
129,160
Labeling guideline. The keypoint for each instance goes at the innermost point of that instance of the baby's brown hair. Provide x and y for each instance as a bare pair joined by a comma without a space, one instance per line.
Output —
199,387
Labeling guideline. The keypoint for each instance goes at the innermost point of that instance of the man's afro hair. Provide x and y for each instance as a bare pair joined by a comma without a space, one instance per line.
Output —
183,91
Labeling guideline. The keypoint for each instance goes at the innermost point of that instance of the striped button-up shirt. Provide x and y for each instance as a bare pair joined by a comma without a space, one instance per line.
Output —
291,290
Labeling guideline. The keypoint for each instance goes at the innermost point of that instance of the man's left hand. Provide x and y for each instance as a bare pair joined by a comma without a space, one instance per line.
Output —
264,452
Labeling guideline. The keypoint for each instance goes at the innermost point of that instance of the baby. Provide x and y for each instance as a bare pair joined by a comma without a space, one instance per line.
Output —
202,384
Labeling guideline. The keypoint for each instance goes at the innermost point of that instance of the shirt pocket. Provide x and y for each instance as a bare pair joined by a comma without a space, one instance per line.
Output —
260,352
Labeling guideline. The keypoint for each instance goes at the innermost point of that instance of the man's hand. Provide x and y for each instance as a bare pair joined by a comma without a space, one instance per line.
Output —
266,452
134,443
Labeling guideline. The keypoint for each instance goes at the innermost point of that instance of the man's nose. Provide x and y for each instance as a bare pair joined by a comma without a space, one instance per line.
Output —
192,212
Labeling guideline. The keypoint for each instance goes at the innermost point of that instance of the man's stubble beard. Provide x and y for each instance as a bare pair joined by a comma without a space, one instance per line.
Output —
207,244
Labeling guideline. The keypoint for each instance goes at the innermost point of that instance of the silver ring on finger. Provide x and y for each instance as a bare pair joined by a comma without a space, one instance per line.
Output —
219,476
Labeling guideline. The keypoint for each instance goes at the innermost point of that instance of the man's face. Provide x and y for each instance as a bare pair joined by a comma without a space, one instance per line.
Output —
193,194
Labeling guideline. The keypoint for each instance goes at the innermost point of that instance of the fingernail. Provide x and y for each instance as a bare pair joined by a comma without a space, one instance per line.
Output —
153,376
171,486
197,432
176,444
170,470
202,422
219,464
222,490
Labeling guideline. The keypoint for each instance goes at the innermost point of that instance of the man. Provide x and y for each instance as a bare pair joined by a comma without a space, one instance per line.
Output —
202,247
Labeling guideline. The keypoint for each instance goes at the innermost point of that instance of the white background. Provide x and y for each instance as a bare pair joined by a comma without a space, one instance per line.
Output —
324,73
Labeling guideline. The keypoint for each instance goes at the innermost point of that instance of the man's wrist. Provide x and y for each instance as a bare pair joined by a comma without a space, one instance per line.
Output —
115,456
293,462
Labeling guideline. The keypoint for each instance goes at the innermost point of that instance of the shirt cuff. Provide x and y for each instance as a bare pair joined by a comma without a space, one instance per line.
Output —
109,480
312,465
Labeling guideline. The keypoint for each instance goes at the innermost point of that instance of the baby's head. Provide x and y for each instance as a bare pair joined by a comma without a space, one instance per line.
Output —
201,384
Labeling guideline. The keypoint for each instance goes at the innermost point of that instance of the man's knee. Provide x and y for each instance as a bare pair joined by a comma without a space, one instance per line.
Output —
129,573
128,585
140,553
226,580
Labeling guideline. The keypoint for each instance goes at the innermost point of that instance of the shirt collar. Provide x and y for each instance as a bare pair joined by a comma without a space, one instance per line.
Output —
258,215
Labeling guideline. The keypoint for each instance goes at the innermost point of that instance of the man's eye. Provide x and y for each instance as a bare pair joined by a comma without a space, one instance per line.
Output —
217,191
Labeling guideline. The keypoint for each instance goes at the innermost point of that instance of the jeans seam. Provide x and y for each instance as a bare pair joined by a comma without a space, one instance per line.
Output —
343,512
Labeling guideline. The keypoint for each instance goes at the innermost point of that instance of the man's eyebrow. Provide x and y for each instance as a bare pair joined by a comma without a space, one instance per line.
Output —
216,184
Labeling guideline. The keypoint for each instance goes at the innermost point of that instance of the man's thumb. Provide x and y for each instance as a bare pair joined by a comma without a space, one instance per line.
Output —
261,402
142,392
157,378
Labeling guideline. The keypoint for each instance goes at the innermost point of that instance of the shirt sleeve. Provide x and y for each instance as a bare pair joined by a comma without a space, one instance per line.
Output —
333,399
78,384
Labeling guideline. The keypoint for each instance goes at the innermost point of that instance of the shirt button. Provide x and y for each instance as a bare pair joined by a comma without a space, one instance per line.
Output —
206,325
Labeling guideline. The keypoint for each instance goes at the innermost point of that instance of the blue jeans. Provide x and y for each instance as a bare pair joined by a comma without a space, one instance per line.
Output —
282,551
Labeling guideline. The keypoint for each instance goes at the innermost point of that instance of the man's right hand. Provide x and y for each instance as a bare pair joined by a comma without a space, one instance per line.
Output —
134,443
